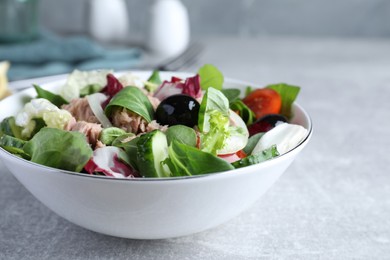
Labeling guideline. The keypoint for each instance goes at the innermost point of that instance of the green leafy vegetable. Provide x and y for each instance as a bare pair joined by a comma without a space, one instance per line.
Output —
216,137
8,127
212,100
182,134
121,140
232,94
245,112
248,90
210,76
252,142
186,160
59,149
155,77
257,158
108,135
151,153
90,89
39,123
53,98
131,150
153,81
134,100
288,93
13,145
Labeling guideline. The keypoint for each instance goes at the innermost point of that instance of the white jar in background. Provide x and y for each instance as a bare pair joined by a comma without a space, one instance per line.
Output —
108,20
169,29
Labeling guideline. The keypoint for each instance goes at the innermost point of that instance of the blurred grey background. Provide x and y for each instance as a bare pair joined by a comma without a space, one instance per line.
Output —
332,18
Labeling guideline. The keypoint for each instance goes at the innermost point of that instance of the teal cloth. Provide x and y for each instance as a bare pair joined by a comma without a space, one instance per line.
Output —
51,54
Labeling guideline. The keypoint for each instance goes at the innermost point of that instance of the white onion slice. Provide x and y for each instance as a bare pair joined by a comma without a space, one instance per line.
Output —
95,102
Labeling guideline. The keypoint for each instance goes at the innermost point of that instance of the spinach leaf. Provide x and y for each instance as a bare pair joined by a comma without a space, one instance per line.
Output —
59,149
210,76
134,100
247,115
185,160
252,142
257,158
232,94
131,150
182,134
288,93
121,140
109,134
53,98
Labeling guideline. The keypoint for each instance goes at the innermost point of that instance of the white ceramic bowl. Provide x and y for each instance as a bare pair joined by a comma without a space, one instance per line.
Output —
147,208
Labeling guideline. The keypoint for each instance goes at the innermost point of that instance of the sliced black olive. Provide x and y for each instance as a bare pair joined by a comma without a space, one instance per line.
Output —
178,110
265,123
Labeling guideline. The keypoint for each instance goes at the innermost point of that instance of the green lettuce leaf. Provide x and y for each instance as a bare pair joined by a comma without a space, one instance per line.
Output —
216,137
212,100
210,76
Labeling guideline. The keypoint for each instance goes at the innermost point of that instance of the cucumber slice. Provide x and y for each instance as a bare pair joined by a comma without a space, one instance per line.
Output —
257,158
9,127
152,150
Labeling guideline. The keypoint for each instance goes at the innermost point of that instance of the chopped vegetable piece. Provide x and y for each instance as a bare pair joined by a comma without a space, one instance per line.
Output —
186,160
257,158
107,160
263,101
152,150
59,149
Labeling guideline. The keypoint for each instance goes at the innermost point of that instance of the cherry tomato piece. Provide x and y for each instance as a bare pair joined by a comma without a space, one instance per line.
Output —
263,101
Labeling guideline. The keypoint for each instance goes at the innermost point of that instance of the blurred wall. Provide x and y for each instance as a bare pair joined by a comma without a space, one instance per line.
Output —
346,18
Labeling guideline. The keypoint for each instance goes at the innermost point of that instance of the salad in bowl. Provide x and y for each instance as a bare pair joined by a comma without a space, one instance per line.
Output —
122,126
149,154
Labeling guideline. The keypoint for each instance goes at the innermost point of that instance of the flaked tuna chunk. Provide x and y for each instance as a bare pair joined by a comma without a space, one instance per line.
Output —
80,109
90,130
154,101
133,123
128,121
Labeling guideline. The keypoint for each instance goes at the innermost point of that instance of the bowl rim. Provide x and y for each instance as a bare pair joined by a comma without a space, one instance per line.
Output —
232,172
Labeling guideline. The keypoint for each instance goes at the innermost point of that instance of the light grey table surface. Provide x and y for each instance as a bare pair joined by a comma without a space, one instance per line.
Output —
332,203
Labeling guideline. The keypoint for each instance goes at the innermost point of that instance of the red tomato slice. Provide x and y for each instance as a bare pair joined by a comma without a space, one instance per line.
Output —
263,101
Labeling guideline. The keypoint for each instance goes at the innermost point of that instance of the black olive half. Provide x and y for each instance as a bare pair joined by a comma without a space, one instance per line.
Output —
178,110
265,123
